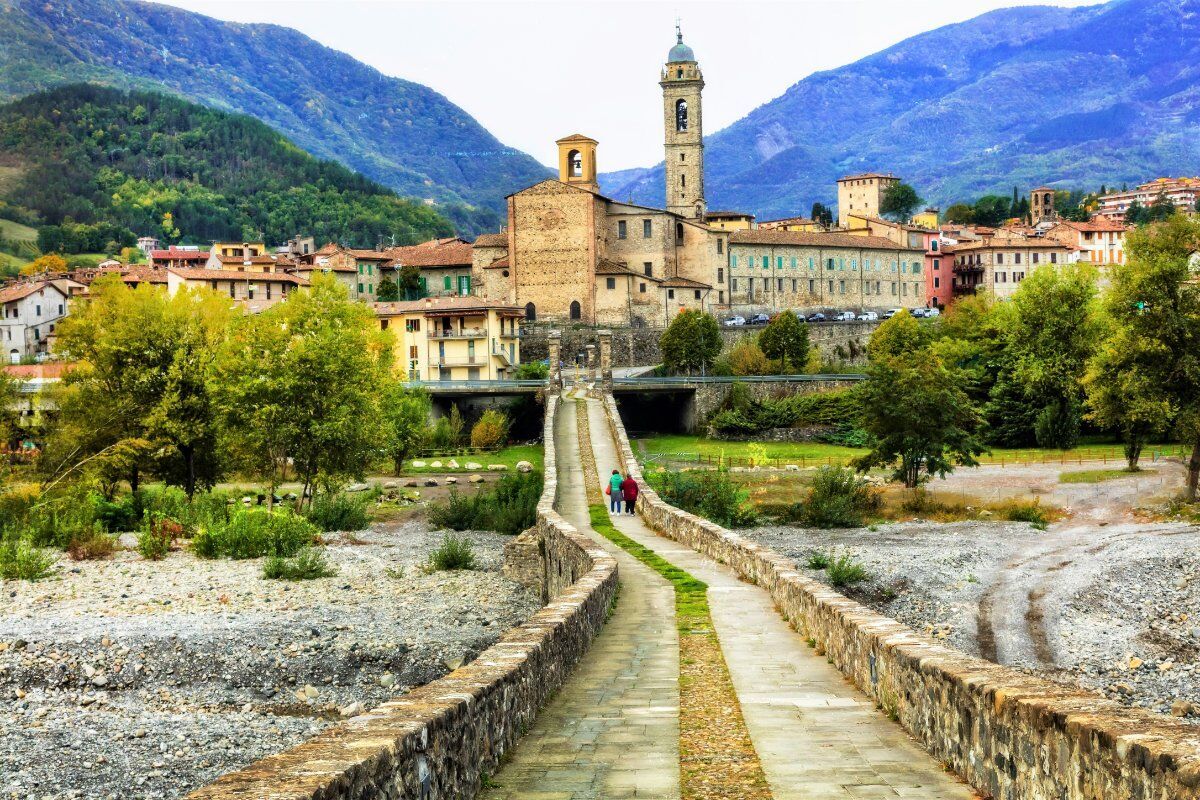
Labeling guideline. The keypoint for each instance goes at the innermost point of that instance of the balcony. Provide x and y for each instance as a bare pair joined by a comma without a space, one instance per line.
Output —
502,354
462,333
460,361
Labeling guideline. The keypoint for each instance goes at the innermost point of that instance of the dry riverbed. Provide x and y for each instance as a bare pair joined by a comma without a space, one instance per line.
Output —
135,680
1111,607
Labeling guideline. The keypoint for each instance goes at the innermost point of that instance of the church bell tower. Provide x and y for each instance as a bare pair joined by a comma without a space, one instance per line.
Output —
681,84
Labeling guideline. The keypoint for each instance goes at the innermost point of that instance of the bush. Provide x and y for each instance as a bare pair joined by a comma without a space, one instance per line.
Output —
1025,512
91,547
252,533
818,560
117,516
21,560
509,508
454,553
339,512
308,564
844,570
155,540
491,431
532,371
711,494
839,498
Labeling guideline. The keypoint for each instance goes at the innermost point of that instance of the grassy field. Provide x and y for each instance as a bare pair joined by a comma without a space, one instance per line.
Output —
17,231
508,456
684,448
1098,475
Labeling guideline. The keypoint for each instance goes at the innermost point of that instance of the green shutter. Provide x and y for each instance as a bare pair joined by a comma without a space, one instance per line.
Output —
446,283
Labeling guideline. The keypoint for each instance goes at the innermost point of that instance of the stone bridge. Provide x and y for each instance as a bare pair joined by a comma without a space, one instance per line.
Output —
583,700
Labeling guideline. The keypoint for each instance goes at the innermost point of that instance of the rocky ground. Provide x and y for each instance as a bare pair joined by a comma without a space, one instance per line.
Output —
1111,607
132,679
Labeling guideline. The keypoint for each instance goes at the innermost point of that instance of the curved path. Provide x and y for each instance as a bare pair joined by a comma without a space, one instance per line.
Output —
817,737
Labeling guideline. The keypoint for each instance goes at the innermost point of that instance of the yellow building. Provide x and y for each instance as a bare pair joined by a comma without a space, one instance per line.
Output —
796,224
729,220
453,338
926,219
240,256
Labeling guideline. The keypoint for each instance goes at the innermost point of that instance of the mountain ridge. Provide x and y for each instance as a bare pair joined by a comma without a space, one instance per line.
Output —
400,133
1025,96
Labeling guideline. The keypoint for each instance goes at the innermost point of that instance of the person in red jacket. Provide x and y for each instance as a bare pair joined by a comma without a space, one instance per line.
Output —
629,491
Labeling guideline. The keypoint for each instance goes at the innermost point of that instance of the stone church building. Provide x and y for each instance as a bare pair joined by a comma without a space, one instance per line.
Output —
570,253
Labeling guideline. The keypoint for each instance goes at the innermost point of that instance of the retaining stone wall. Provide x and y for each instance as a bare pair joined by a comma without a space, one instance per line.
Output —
638,347
1011,735
439,740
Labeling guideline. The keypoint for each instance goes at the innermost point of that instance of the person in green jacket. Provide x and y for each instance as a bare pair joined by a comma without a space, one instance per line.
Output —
614,492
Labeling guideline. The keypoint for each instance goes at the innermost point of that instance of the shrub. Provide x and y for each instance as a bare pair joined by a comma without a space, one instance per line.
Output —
339,512
818,560
839,498
1025,512
711,494
747,358
251,533
307,565
59,521
21,560
532,371
491,431
843,571
509,508
93,546
117,516
155,540
455,552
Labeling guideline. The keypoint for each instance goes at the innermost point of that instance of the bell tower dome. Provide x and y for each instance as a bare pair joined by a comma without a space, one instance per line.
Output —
682,83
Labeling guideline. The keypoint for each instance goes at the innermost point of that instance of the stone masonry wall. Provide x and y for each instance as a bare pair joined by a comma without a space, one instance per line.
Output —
1010,735
638,347
439,741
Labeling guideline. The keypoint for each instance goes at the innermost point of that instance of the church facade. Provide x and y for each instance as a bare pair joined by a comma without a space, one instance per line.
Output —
571,254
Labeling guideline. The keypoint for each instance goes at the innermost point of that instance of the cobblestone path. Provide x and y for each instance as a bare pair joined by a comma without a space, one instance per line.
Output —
613,730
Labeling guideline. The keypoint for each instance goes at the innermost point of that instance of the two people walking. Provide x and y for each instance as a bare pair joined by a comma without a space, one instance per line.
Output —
621,489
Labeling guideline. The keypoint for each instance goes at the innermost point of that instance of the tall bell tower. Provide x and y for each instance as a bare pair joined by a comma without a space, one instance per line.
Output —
681,84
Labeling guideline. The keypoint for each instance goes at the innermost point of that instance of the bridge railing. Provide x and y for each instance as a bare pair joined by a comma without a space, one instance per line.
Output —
479,384
697,380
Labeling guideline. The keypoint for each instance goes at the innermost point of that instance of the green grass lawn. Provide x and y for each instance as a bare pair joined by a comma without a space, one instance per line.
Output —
1099,475
15,230
508,456
660,446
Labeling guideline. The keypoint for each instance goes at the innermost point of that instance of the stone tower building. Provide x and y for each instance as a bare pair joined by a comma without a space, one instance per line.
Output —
681,84
1041,205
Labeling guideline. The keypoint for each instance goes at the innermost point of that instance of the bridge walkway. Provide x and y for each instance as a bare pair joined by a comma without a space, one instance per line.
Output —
817,736
613,729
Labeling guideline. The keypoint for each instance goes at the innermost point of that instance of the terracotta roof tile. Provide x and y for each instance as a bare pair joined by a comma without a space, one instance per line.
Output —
19,291
443,305
491,240
684,283
816,239
436,253
231,275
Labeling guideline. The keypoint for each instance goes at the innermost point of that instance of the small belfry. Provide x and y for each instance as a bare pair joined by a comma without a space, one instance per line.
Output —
682,83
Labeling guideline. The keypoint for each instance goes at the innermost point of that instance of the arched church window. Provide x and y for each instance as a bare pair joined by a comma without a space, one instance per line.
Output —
681,120
576,310
575,163
530,312
679,231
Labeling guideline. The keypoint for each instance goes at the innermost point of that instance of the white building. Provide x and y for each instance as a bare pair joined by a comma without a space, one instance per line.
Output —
31,312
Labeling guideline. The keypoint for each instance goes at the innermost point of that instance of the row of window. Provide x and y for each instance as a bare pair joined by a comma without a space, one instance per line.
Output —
1035,258
868,287
14,312
830,264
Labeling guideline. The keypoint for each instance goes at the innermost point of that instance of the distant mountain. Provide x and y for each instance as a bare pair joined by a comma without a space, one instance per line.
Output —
402,134
1023,96
98,165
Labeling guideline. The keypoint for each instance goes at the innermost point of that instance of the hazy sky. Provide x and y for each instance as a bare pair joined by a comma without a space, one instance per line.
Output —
533,72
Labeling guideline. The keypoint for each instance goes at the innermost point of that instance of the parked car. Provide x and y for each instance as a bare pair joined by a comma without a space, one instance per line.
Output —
933,311
817,317
891,312
918,313
735,322
758,319
868,316
845,316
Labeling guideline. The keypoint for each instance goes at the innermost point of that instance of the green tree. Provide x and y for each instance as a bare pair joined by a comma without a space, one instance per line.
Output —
409,282
821,214
1122,398
1154,305
899,201
1160,209
388,291
1051,338
1136,214
691,342
404,414
897,335
960,214
920,418
785,339
301,382
991,209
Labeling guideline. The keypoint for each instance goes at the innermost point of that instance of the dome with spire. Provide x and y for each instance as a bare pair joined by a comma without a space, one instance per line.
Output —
680,52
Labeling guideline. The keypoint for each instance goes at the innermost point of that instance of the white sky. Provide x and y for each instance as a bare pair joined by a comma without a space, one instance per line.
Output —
533,72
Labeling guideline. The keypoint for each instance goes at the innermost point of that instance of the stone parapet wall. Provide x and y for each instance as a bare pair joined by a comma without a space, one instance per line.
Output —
1011,735
440,740
638,347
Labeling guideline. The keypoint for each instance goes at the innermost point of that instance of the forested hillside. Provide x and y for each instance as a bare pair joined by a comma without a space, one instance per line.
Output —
84,163
402,134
